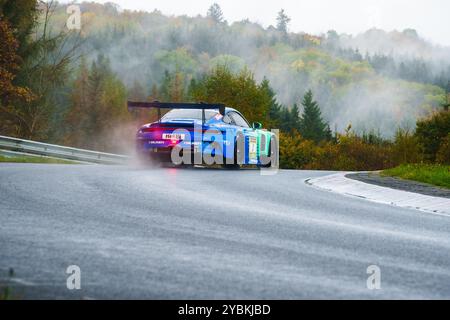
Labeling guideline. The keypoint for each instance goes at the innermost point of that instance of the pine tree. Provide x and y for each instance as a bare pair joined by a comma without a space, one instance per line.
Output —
446,103
329,134
311,124
285,120
294,118
275,109
282,21
215,13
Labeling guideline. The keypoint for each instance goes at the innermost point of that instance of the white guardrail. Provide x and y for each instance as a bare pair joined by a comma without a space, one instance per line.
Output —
51,150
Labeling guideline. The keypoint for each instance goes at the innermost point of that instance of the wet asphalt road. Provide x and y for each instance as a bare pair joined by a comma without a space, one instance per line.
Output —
209,234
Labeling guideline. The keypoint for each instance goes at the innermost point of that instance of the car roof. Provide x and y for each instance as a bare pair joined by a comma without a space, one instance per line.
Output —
228,109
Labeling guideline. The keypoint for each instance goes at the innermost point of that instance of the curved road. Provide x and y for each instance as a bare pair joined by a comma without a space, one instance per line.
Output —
199,233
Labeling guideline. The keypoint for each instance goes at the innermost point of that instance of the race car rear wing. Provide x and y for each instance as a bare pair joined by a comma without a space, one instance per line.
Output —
177,105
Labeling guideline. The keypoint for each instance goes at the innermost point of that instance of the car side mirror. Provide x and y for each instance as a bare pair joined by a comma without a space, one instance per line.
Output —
257,125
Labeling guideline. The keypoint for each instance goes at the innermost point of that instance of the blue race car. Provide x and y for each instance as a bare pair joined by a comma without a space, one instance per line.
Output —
199,133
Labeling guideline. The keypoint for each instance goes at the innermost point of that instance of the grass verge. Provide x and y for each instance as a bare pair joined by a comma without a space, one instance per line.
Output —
438,175
31,159
5,292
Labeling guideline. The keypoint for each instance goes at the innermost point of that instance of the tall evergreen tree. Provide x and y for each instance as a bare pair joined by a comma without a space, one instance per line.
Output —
275,109
285,123
215,13
294,117
311,124
283,21
446,103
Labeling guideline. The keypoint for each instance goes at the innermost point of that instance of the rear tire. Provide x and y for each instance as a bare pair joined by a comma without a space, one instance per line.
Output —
268,165
273,142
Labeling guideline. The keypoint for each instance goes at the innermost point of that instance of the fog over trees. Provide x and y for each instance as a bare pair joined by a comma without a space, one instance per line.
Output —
374,80
78,81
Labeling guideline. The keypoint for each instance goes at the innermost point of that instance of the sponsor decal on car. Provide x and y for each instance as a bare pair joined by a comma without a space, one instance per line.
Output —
252,148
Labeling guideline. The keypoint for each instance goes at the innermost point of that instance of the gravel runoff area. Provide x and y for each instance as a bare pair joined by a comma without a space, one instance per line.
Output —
400,184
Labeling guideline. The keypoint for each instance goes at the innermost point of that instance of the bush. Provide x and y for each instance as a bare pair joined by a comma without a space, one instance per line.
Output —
443,155
406,148
350,153
431,133
356,155
295,152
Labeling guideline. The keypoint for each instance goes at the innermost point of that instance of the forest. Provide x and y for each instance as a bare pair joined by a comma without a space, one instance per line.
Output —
341,102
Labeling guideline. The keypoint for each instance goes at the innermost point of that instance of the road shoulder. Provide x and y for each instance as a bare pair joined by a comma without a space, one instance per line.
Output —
342,184
400,184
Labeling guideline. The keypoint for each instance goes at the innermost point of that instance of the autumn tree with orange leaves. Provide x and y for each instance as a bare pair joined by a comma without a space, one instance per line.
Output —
9,66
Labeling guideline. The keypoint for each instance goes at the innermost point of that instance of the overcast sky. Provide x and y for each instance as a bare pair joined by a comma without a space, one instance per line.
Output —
431,18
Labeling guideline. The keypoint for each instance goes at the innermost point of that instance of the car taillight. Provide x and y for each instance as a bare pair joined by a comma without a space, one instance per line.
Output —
150,129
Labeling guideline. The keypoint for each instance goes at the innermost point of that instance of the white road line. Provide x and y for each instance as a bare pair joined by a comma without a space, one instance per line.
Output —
23,282
338,183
